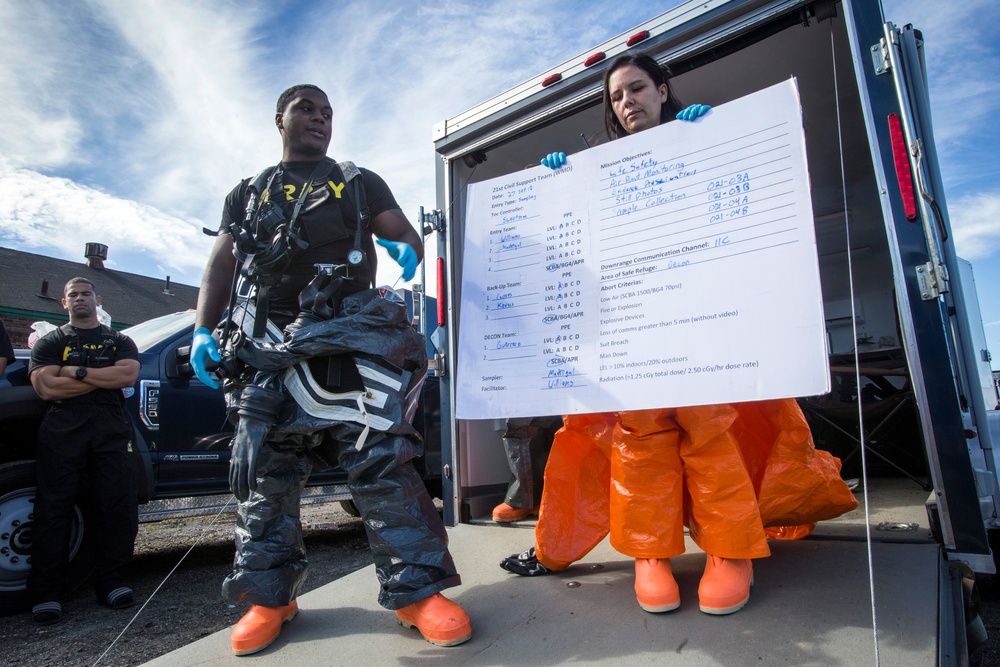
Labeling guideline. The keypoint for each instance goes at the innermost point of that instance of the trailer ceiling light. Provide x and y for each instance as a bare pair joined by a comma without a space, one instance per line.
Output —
636,38
903,174
440,290
550,79
594,59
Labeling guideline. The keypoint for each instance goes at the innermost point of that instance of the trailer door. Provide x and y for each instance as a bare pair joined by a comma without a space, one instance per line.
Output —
934,324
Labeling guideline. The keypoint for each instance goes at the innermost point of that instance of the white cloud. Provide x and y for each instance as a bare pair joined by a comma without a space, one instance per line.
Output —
59,217
206,119
36,127
975,222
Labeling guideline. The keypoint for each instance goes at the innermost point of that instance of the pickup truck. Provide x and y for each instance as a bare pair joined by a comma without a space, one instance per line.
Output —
181,447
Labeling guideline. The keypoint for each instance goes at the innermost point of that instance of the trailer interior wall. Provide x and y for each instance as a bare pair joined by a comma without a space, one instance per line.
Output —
848,218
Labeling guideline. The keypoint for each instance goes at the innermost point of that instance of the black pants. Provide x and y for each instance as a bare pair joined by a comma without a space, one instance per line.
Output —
527,441
82,455
406,535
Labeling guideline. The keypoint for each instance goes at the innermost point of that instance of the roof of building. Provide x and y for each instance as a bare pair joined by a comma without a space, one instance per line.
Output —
33,284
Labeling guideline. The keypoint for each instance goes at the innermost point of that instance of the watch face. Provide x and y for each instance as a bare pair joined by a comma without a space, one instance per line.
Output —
355,257
81,372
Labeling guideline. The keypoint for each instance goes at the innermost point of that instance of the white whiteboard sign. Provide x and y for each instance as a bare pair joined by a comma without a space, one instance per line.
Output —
669,268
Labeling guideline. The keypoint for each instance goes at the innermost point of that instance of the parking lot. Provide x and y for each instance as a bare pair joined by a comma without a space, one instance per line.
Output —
187,606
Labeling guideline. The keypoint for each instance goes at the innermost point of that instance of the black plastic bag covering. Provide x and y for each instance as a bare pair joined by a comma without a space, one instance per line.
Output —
366,323
405,532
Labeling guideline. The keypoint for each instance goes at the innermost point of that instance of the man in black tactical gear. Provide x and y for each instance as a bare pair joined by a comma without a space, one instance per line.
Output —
83,448
319,368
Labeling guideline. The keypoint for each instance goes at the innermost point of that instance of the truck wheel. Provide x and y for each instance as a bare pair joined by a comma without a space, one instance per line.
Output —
349,507
17,504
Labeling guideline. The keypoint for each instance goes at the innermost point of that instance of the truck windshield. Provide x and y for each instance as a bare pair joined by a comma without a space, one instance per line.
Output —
153,331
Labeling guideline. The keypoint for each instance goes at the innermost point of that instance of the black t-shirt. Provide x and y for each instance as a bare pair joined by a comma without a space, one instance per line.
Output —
328,221
99,347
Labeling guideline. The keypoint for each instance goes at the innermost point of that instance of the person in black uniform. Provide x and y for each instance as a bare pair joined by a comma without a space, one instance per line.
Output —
83,447
277,228
526,441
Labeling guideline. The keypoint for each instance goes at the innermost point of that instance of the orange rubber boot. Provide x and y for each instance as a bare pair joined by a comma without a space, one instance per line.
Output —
655,588
504,513
725,586
440,621
260,626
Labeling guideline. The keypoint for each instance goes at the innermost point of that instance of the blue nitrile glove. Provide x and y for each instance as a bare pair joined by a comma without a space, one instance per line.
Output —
554,160
404,255
693,112
203,347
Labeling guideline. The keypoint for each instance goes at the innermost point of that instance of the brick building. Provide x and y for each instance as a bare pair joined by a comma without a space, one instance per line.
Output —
31,290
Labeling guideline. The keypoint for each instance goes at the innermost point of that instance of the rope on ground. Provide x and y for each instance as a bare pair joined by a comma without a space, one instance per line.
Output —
169,574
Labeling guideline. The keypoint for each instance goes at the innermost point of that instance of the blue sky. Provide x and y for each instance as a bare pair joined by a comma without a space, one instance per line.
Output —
125,122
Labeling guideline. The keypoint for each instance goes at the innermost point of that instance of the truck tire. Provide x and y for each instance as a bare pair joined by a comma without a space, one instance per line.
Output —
17,500
349,507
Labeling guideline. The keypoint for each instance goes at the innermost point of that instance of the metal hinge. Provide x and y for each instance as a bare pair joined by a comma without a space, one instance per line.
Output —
431,222
880,57
933,281
437,367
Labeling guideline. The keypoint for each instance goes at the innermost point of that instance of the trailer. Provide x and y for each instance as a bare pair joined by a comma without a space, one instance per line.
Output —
912,393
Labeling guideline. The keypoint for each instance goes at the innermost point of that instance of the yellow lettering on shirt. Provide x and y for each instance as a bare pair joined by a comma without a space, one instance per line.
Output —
290,191
336,187
87,346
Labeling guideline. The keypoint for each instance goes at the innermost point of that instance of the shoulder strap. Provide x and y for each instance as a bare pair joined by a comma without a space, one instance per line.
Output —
258,182
353,176
349,169
68,330
254,186
359,197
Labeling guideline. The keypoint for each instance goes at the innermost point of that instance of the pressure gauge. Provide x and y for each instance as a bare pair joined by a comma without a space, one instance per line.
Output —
355,257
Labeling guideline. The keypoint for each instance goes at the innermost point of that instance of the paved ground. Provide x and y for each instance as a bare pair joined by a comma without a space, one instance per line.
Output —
188,607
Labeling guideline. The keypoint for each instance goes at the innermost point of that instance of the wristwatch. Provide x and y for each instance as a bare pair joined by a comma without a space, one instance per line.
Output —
81,372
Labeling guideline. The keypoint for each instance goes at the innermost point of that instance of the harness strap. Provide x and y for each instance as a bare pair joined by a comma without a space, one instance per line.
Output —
362,213
262,183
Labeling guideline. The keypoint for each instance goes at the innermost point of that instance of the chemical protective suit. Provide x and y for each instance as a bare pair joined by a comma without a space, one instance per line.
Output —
733,474
295,423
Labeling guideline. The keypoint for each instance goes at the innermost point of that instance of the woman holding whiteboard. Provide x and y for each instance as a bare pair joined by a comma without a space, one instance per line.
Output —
733,474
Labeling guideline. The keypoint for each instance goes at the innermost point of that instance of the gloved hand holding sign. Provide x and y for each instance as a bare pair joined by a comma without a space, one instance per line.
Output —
554,160
204,347
693,112
404,255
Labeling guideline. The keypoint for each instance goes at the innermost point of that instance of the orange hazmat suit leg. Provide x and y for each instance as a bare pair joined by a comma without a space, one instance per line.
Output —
723,517
573,517
647,485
